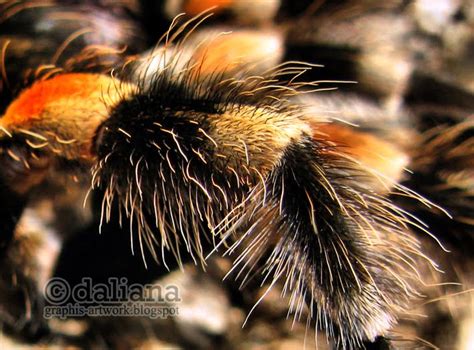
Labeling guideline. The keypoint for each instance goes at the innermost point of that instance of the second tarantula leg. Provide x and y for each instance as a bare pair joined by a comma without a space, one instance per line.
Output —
21,170
9,216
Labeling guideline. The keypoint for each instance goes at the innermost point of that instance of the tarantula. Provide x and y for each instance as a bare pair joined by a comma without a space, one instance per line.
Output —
206,145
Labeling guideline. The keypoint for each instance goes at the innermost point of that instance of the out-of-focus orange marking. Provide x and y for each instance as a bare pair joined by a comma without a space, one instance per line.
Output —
354,142
31,102
195,7
368,149
227,52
